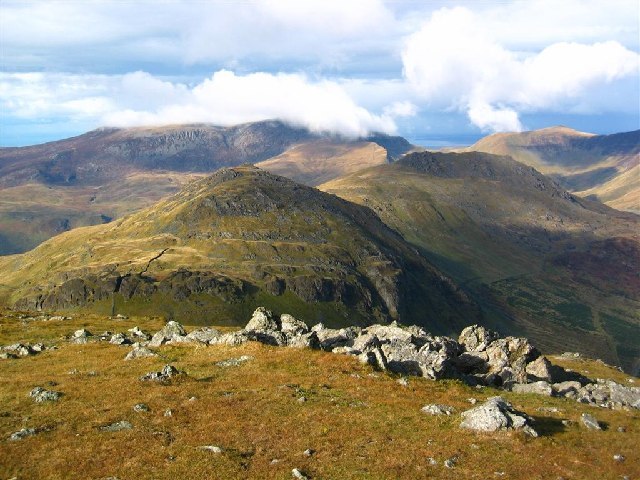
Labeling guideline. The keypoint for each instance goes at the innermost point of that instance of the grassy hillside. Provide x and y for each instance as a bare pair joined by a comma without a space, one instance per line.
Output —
559,269
359,423
230,242
602,166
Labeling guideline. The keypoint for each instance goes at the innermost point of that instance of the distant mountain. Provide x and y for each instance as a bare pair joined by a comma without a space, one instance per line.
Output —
226,243
604,167
540,261
50,188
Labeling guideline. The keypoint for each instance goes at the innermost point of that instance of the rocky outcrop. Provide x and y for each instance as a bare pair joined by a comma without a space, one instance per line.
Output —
497,414
18,350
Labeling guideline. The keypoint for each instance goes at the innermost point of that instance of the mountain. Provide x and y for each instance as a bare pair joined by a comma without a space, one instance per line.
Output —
540,261
107,173
604,167
234,240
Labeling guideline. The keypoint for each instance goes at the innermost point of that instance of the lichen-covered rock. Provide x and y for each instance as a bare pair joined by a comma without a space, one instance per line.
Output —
539,388
203,335
476,338
540,369
496,414
291,326
41,395
140,352
262,320
167,373
171,332
437,409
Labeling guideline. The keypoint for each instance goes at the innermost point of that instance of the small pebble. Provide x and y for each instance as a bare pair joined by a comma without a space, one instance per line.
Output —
309,452
472,400
302,399
403,381
168,412
211,448
618,458
141,407
297,473
432,461
622,429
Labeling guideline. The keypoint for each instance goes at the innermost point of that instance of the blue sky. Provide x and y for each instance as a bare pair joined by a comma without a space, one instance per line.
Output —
435,72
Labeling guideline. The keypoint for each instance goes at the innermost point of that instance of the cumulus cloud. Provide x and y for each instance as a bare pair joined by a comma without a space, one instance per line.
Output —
454,61
225,98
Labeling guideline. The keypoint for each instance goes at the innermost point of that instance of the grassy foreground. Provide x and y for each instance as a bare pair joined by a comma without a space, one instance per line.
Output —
359,423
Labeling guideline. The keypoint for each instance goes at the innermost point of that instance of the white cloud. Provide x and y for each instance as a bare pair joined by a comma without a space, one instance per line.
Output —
455,61
225,99
401,109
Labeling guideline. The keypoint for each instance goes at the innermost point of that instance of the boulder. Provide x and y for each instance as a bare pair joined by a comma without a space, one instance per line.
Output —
507,360
119,339
436,409
291,326
306,340
203,335
171,332
81,336
590,422
262,320
539,388
540,369
476,338
496,414
139,334
41,395
167,373
567,389
140,352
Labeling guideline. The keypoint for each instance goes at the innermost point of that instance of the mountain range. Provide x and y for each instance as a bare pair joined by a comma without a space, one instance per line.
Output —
391,231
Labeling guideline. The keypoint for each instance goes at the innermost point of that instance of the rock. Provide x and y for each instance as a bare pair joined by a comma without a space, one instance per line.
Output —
403,381
539,388
119,339
619,458
330,338
81,336
172,331
566,389
234,362
435,409
305,340
290,326
233,339
308,452
302,399
297,474
167,373
8,356
140,352
117,426
495,414
508,358
137,333
41,395
476,338
168,412
262,321
590,422
23,433
432,461
211,448
539,369
141,407
204,335
451,462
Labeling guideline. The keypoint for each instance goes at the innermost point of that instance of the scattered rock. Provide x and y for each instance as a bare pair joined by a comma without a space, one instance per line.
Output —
81,336
234,362
117,426
119,339
539,388
403,381
308,452
171,332
590,422
451,462
23,433
619,458
41,395
211,448
432,461
140,352
622,429
141,407
472,400
167,373
297,474
496,414
137,333
205,335
168,412
302,399
435,409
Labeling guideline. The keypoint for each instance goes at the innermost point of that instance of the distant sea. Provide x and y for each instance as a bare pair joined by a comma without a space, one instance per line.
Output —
445,141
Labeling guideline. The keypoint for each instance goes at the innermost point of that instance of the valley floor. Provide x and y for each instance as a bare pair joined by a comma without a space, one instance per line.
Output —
265,412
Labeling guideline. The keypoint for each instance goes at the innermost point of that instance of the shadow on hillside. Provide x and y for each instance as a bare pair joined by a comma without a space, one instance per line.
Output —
548,426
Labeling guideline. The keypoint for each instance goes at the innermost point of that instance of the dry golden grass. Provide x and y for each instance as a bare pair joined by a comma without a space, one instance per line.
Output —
361,423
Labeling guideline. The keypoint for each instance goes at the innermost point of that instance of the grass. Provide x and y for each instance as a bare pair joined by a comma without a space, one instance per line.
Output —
361,423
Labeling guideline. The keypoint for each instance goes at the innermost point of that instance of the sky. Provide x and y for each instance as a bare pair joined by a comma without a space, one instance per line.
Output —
436,72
